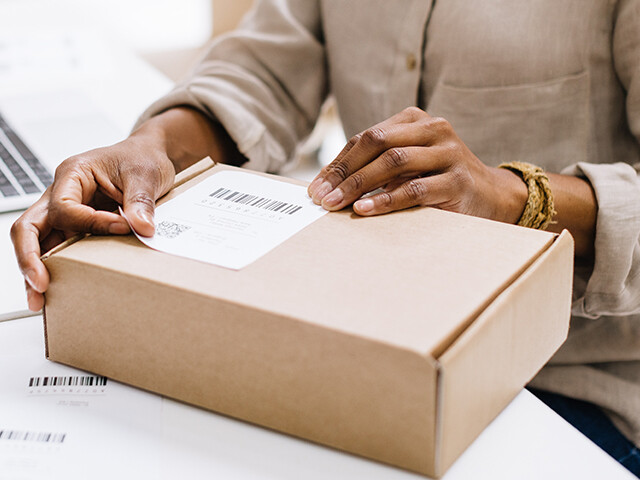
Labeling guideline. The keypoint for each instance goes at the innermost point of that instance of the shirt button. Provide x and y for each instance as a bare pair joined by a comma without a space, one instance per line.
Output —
411,61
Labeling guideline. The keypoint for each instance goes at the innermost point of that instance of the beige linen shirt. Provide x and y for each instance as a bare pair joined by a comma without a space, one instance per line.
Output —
554,83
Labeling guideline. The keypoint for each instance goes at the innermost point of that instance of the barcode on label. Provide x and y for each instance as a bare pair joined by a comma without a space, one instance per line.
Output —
74,384
255,201
42,437
87,380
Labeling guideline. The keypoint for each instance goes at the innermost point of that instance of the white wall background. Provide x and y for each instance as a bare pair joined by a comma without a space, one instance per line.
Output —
146,26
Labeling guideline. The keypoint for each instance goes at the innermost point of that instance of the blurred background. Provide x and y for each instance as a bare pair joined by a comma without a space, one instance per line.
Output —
168,33
70,36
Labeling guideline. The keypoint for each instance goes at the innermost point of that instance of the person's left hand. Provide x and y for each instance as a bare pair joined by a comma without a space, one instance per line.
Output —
416,160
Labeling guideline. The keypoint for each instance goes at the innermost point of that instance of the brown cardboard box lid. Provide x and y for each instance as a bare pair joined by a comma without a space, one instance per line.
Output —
414,279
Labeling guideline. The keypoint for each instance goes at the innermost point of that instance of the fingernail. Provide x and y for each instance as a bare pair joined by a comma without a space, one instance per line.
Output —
314,185
364,205
117,228
333,199
322,191
145,217
30,298
34,301
30,277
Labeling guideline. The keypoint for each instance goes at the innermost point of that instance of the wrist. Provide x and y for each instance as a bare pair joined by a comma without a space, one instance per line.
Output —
512,195
182,134
187,136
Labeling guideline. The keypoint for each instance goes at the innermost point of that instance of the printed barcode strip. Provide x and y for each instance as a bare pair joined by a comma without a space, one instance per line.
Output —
255,201
75,381
43,437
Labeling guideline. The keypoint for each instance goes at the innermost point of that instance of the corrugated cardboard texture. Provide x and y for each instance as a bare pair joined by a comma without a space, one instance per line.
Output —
333,336
518,332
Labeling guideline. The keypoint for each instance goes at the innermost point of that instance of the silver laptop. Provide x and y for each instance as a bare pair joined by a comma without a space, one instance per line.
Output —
22,175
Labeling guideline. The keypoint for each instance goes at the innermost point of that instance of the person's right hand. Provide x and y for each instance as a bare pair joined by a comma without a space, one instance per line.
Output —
86,190
134,173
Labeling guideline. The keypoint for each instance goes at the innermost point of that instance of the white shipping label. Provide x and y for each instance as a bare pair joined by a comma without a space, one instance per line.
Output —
232,218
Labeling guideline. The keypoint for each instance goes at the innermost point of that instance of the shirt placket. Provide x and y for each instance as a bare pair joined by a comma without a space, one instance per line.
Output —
406,74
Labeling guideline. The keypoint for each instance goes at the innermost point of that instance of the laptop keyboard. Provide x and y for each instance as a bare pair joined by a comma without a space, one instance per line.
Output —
21,173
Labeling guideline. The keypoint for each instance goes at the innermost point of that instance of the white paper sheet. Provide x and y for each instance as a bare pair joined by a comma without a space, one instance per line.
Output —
58,422
232,218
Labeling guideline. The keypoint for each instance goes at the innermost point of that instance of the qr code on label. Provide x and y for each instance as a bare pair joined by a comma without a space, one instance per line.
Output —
170,229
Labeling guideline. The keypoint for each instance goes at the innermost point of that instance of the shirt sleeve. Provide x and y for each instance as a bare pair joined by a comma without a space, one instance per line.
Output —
265,82
613,288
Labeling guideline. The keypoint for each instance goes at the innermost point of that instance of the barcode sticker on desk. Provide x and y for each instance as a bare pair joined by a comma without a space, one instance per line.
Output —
65,385
40,437
232,218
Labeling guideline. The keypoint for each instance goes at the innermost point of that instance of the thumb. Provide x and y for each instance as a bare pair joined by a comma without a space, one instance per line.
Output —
139,202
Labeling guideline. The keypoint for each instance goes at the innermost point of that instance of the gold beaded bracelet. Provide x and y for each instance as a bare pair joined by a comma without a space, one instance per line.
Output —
538,212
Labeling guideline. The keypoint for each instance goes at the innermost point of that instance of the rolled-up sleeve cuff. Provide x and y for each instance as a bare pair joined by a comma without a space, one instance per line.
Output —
614,285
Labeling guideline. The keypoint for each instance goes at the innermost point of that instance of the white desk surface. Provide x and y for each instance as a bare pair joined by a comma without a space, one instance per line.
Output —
128,433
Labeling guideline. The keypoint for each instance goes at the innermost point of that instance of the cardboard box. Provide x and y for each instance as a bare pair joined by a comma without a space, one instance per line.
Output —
397,338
